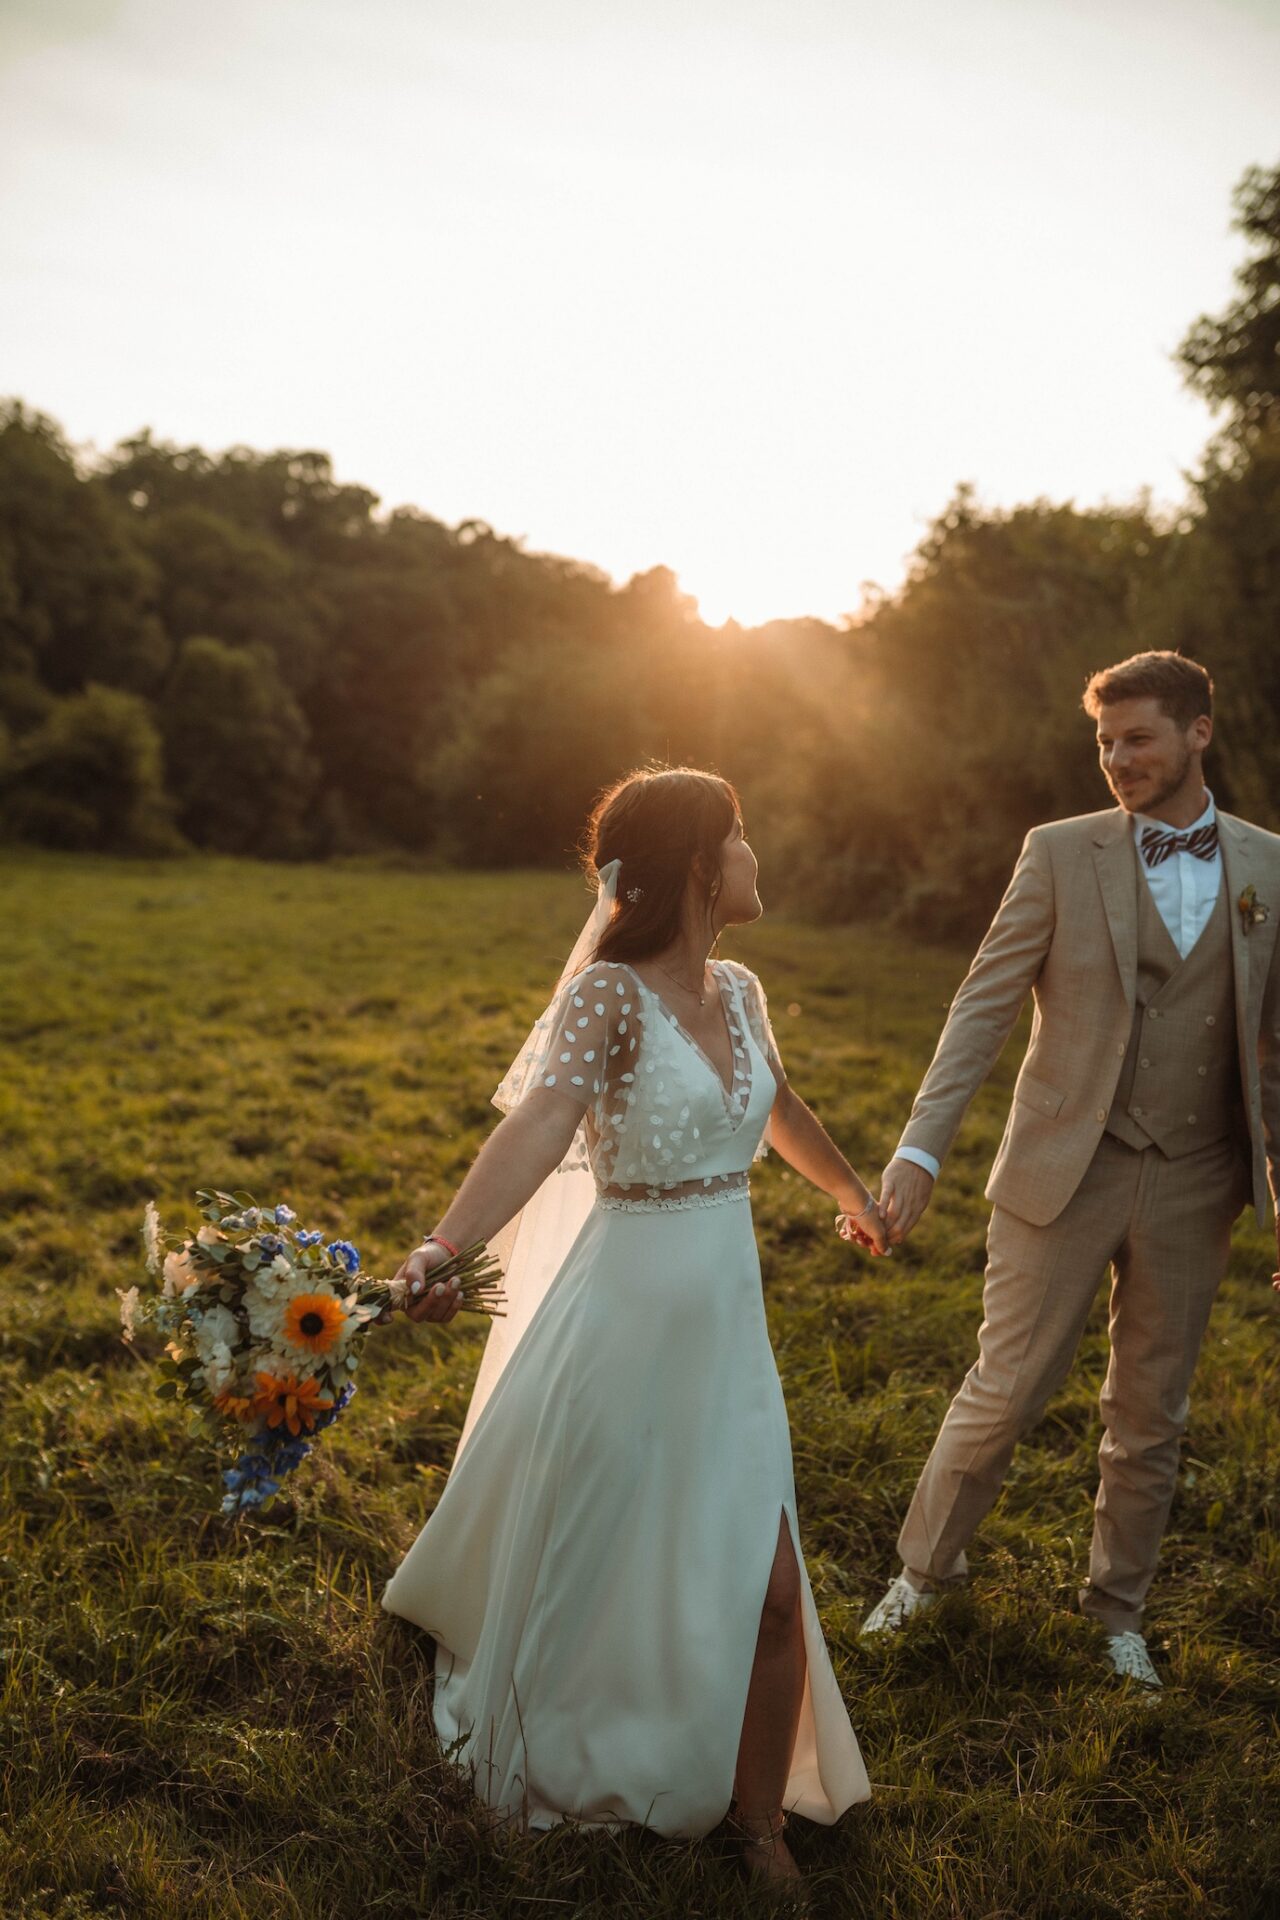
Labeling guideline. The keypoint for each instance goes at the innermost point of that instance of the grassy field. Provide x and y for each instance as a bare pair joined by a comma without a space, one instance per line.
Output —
203,1722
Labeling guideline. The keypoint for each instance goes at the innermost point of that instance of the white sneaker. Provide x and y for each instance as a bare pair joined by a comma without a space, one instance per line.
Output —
1128,1655
898,1605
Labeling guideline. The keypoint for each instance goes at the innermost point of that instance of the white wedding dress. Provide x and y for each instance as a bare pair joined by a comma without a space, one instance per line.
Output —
595,1569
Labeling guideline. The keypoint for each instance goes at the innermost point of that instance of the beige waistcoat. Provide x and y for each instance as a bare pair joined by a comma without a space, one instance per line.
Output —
1179,1087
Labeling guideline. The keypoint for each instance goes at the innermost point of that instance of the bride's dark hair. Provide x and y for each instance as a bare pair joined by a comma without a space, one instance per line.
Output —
662,823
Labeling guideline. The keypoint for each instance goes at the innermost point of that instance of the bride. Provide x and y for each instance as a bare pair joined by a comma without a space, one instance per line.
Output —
623,1626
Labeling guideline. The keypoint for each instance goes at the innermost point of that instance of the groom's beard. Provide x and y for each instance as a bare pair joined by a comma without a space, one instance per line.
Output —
1145,799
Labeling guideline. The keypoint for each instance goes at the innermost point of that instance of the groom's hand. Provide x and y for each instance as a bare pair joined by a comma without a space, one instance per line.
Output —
905,1191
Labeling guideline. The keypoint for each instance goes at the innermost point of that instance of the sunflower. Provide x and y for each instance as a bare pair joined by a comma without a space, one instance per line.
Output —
315,1322
238,1406
286,1400
301,1319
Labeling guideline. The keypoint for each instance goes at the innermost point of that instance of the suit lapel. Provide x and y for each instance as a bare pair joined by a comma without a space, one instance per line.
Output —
1233,838
1116,865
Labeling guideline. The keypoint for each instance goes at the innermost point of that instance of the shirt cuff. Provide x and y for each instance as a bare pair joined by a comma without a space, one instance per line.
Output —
919,1158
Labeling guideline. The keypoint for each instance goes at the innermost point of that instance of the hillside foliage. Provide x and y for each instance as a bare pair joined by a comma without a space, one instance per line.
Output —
238,653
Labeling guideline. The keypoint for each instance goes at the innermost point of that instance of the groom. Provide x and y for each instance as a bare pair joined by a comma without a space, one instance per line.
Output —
1145,1116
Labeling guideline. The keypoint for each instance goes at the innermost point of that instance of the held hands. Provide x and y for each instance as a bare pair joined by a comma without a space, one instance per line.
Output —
428,1302
864,1227
905,1191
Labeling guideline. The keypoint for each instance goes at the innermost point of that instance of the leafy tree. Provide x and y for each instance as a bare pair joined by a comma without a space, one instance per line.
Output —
76,592
236,749
515,777
24,701
213,575
384,695
968,690
1233,359
285,495
1217,598
1220,595
89,777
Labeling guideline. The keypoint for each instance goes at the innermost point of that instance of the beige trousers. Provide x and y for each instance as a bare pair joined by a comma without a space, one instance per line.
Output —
1164,1226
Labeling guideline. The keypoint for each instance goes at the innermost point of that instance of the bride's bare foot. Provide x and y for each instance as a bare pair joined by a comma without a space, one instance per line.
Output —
765,1854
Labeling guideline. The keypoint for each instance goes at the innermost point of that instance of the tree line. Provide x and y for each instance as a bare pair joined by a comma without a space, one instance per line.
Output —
237,652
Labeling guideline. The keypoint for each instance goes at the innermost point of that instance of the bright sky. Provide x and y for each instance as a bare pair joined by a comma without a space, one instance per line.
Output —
743,289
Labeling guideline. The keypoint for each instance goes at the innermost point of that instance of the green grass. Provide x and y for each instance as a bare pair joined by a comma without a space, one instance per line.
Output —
199,1721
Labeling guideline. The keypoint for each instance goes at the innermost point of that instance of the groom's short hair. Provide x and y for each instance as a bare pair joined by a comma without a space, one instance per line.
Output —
1182,686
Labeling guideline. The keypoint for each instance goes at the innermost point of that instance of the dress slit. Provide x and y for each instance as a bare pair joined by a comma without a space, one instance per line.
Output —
785,1519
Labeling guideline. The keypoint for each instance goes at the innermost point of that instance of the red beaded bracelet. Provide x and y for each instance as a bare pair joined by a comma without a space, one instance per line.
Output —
440,1241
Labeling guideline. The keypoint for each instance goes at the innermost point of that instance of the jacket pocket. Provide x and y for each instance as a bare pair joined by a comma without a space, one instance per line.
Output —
1037,1093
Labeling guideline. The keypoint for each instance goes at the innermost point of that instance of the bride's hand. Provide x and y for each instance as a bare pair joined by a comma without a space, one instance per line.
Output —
425,1300
865,1229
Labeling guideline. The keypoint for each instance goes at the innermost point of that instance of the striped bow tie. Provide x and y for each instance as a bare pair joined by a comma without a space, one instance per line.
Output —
1157,846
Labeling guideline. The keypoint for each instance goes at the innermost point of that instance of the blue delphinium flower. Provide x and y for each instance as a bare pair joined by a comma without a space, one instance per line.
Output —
258,1472
242,1496
344,1251
284,1215
248,1483
271,1243
306,1239
330,1414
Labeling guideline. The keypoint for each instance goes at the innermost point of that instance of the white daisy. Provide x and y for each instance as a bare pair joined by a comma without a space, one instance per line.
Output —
218,1366
217,1327
272,1282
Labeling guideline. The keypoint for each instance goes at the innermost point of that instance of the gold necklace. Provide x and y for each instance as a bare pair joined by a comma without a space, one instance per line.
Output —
702,998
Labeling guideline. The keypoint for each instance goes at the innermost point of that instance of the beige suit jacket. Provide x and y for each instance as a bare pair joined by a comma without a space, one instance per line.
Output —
1067,932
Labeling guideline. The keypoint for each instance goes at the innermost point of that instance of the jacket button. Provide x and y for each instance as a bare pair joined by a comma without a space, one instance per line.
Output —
1102,1113
1153,1013
1144,1063
1209,1020
1202,1071
1191,1119
1136,1112
1120,1047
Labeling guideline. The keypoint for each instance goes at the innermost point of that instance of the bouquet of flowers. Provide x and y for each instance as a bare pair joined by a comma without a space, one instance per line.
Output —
264,1323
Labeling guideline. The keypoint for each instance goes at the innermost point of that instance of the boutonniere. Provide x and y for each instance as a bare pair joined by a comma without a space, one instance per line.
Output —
1253,913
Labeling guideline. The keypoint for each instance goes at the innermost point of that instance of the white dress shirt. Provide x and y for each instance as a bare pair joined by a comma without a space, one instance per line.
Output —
1184,889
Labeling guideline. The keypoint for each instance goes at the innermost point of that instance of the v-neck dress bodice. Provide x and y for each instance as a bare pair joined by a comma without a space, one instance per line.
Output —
735,1088
595,1570
666,1129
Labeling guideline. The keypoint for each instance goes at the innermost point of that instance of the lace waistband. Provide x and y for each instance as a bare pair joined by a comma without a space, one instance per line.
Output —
713,1190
